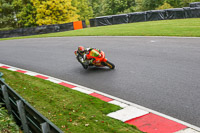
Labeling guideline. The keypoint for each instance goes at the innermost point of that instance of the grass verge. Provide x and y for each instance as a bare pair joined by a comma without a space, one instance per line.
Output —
7,124
70,110
177,27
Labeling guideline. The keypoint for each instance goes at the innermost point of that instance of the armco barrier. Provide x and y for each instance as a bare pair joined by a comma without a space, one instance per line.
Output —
195,4
137,17
104,20
192,12
29,119
1,74
196,12
120,19
175,13
93,22
188,12
152,15
43,29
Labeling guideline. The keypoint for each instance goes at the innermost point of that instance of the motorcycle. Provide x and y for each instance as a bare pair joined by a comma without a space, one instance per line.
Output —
99,61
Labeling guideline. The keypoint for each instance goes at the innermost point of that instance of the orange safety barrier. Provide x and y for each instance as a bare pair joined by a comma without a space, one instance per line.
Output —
78,25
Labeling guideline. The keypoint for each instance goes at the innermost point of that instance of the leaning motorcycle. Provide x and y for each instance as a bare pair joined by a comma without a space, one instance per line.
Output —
99,61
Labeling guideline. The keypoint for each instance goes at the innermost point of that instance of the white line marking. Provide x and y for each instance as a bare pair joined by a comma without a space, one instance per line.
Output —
31,73
136,37
127,113
187,130
82,90
53,80
115,102
12,69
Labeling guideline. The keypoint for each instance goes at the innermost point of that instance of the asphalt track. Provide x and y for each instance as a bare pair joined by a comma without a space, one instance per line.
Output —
160,73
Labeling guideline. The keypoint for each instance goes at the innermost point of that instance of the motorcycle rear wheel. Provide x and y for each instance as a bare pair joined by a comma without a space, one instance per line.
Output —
109,64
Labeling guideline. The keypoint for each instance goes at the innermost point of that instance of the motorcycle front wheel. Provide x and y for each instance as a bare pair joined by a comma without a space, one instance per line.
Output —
109,64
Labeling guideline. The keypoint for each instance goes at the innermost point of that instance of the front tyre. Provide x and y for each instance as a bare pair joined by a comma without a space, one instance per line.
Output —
110,65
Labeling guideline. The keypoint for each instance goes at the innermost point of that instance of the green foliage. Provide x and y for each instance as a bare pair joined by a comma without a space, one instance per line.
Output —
83,9
16,13
27,16
7,13
174,3
27,13
164,6
138,5
111,7
98,7
54,11
151,4
161,4
118,6
185,3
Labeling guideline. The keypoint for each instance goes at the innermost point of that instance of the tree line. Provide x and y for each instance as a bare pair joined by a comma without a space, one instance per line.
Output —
28,13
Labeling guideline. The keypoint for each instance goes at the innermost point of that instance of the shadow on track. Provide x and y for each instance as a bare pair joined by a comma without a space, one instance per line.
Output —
94,70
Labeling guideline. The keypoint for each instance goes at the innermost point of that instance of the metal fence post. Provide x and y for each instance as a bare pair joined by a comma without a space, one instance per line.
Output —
20,106
6,98
45,127
1,74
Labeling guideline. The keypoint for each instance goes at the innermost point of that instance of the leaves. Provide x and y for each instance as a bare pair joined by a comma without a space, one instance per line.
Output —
83,9
164,6
54,12
7,123
87,125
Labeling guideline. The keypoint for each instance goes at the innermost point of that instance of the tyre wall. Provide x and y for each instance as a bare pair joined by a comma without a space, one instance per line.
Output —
43,29
176,13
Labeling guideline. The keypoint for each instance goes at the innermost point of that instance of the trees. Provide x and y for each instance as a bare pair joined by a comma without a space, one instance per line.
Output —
174,3
164,6
154,4
83,9
27,13
185,3
151,4
8,11
118,6
98,7
27,16
54,12
111,7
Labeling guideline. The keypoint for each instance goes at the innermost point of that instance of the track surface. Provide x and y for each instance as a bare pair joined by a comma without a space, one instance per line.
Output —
160,73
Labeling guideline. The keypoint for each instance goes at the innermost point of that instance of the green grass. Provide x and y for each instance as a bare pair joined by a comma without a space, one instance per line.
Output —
7,124
70,110
177,27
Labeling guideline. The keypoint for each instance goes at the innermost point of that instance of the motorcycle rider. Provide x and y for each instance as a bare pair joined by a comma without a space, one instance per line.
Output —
85,55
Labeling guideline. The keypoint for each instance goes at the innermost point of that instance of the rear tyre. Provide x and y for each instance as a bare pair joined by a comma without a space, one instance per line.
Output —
110,65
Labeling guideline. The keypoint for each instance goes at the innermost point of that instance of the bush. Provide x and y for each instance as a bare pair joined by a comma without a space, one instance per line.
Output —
164,6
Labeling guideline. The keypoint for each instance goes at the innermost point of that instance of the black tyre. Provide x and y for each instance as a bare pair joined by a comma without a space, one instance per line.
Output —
84,66
110,65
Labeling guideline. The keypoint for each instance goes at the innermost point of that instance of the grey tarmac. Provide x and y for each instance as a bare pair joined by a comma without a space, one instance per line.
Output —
160,73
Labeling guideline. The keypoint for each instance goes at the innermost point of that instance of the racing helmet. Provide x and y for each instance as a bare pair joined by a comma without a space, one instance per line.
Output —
81,49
